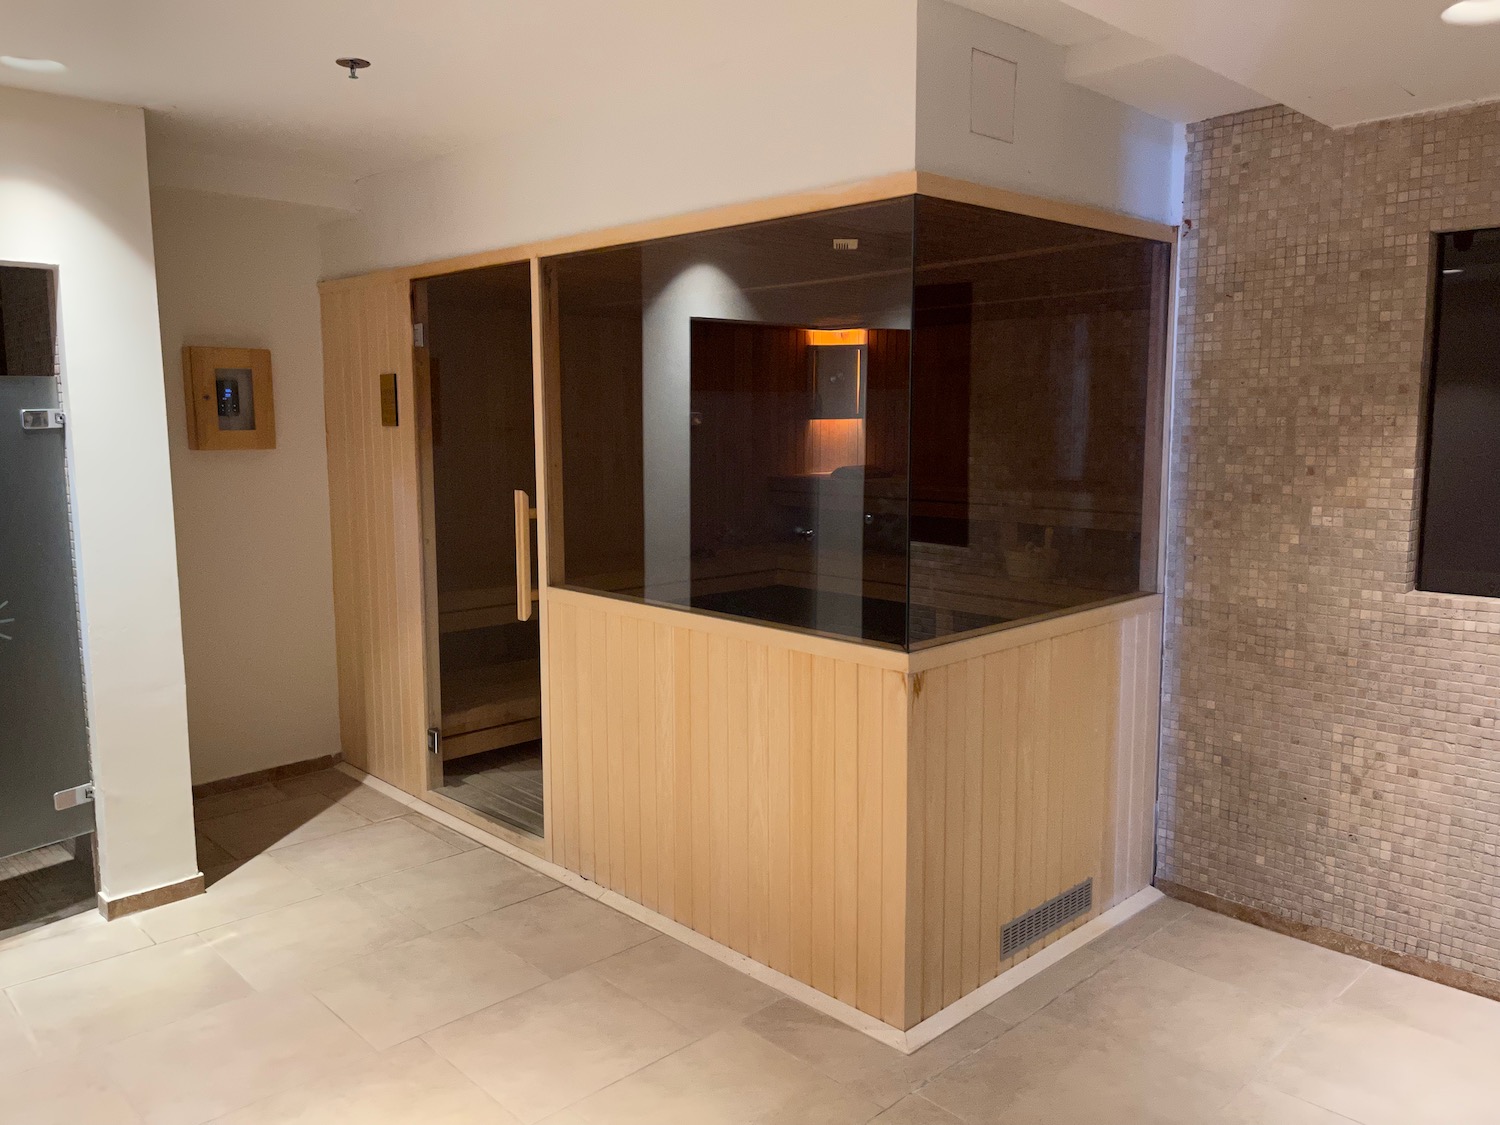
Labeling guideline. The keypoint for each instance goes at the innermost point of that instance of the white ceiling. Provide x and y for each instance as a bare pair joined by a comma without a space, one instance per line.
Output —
1338,61
254,80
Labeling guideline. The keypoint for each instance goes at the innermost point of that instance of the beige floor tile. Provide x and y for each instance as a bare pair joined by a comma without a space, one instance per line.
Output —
1280,968
1136,929
372,805
17,1051
80,940
880,1073
362,854
258,885
1161,1007
236,800
1461,1016
1380,1072
288,822
1261,1105
217,1061
407,1085
406,990
548,1048
347,791
733,1077
330,782
295,943
562,930
62,1093
459,887
688,987
1047,1070
1031,996
456,840
1143,1092
68,925
915,1110
126,995
826,1104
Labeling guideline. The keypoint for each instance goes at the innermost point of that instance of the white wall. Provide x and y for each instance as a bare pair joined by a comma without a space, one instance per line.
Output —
253,544
836,105
73,194
1069,143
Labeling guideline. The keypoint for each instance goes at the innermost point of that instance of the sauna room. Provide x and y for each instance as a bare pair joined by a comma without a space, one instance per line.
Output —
791,574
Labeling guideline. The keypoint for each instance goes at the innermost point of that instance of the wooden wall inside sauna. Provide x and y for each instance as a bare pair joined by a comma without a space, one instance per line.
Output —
756,449
1033,767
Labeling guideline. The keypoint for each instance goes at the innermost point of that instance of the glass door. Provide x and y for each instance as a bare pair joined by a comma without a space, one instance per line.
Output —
474,348
44,755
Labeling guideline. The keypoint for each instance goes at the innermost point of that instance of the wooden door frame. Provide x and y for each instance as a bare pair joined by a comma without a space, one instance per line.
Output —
421,368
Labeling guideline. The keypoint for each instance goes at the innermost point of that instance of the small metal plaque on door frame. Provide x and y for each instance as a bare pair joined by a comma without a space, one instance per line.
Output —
388,416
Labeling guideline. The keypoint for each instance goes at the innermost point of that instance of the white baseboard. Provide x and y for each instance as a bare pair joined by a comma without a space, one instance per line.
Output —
987,993
904,1041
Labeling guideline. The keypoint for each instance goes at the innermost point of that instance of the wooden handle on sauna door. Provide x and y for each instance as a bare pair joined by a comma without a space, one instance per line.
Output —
525,591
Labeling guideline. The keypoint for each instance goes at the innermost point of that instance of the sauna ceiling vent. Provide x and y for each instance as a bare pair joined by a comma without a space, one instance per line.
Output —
1051,916
992,96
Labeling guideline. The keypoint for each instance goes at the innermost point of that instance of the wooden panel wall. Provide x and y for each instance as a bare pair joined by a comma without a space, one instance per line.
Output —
743,781
377,535
1032,767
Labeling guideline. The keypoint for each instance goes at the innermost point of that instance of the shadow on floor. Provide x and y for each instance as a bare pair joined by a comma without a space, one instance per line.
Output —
235,826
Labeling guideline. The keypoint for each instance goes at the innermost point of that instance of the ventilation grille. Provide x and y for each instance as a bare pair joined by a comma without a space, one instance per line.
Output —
1052,915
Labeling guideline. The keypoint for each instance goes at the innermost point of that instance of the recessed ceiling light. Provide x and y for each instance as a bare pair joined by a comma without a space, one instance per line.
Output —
35,66
1473,13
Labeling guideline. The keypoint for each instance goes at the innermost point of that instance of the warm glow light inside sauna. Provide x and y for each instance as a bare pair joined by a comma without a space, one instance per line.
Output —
837,337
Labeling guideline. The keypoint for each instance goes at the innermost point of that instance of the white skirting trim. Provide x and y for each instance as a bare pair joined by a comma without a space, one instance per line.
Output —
905,1041
987,993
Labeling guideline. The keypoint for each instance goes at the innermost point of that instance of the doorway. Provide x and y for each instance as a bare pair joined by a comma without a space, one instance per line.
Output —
46,810
474,368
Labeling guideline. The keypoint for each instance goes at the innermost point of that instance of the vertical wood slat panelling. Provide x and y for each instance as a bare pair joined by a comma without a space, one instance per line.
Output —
1030,769
375,520
776,781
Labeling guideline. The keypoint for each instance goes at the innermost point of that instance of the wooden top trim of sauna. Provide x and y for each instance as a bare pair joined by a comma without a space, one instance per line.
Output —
996,639
875,190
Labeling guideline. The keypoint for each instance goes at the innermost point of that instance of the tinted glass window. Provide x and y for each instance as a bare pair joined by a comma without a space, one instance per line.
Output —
1461,513
896,422
1037,350
734,420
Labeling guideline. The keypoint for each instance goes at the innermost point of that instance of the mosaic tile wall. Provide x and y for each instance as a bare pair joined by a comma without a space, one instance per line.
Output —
1330,746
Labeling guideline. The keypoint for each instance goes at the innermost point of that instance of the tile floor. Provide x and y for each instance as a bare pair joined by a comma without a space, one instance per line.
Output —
356,963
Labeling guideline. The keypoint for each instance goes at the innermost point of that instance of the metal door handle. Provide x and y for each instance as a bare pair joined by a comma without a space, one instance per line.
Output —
525,591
